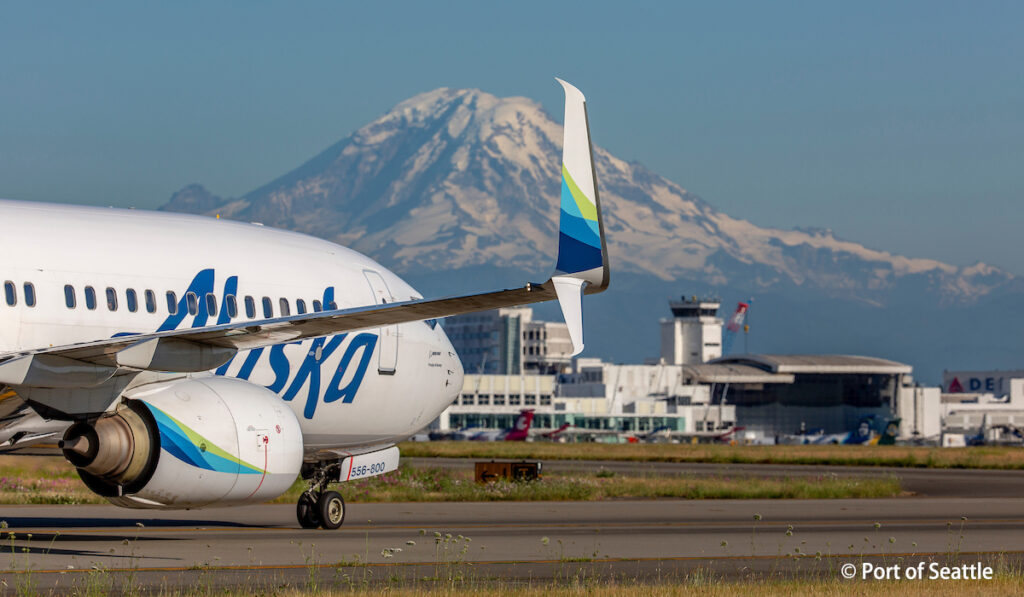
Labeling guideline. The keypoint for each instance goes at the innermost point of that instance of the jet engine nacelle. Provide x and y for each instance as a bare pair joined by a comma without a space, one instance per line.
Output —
188,444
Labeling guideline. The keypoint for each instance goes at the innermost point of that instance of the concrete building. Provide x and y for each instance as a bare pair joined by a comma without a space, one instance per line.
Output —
971,417
831,393
995,382
694,332
509,342
494,401
919,409
635,400
663,392
513,362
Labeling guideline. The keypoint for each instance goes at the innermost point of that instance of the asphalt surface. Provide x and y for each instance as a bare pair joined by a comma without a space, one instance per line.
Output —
69,547
946,515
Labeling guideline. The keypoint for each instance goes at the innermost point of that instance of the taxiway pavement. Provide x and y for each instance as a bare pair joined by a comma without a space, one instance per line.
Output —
67,546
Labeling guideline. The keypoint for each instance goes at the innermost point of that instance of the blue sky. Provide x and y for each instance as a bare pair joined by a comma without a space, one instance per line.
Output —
899,125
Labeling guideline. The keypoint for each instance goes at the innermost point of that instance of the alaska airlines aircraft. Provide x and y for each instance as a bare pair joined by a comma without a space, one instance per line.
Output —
185,362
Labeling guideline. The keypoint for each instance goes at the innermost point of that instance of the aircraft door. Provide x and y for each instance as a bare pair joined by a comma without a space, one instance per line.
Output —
388,343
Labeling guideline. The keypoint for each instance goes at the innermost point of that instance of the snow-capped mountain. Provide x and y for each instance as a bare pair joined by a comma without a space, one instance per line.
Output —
454,178
458,190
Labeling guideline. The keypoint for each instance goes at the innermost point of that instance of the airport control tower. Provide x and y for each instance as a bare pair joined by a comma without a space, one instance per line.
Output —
694,333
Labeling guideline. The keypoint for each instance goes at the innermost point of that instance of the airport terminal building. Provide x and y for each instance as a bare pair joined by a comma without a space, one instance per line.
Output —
689,393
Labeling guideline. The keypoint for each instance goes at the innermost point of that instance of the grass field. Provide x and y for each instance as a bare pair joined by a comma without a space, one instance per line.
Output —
413,484
705,587
995,457
26,480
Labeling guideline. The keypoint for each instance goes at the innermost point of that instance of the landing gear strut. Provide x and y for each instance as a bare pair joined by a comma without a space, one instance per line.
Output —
317,506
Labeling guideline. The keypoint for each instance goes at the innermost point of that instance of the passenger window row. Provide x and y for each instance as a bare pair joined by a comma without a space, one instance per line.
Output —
192,301
11,294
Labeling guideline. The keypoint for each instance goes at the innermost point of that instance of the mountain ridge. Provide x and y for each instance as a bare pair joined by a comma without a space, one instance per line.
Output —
454,178
457,190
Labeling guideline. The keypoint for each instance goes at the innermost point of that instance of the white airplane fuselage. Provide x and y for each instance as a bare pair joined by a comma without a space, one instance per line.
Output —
354,389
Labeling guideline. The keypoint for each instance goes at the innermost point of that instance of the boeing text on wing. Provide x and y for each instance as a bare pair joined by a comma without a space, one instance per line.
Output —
181,362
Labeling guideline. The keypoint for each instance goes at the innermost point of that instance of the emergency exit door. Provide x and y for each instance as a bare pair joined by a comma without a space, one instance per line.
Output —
387,346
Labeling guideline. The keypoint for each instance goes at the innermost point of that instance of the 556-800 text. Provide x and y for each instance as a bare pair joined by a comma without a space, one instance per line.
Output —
368,470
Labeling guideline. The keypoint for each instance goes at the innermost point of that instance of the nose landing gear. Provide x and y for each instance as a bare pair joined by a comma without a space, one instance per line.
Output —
317,506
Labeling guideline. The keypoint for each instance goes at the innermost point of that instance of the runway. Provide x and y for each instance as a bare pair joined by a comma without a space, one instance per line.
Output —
259,546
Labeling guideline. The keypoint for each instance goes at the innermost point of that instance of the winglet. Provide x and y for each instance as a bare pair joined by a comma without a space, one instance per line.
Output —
582,252
582,266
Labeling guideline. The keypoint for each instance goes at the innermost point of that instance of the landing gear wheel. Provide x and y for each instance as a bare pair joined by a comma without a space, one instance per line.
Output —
307,512
331,510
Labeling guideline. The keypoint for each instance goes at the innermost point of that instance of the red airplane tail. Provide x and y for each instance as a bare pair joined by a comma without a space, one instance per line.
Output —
564,426
521,430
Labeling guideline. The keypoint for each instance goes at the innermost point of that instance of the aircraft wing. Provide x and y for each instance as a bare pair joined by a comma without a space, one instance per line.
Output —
582,268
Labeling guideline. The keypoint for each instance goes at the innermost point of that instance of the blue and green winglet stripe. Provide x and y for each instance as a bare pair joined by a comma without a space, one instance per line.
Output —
579,236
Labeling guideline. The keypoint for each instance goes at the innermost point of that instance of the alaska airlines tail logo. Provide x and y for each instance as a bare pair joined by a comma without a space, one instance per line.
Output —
288,367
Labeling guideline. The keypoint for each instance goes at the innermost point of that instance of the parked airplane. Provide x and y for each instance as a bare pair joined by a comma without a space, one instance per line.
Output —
183,362
518,432
861,434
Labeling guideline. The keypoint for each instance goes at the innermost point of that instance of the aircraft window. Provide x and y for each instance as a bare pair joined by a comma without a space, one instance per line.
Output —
250,307
30,295
150,301
231,305
172,303
268,308
69,296
10,294
193,303
317,307
300,306
90,298
111,299
211,304
131,299
285,309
